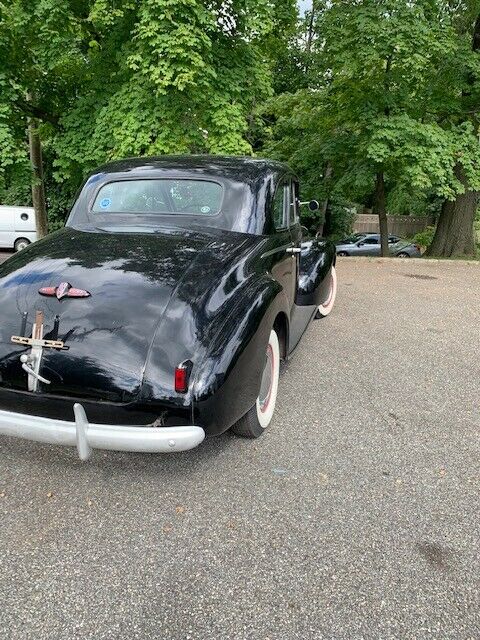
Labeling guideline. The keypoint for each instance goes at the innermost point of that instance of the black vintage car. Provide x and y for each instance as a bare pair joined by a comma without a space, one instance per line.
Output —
160,313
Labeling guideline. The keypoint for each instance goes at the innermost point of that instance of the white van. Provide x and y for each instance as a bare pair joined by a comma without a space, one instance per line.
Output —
17,227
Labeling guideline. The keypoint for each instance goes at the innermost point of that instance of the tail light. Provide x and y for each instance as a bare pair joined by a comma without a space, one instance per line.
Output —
182,375
418,247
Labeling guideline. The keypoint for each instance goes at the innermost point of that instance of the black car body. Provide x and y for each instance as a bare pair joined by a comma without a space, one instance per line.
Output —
191,290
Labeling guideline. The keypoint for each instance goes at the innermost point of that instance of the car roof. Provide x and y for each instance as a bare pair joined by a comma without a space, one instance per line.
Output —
249,186
377,235
240,168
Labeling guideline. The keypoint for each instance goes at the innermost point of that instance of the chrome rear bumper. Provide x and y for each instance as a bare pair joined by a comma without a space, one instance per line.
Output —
87,436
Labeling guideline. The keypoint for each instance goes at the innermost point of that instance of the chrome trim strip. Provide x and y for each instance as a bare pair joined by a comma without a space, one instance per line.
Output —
87,437
271,252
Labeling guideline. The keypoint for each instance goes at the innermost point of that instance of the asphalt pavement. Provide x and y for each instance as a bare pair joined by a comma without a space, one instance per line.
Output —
4,254
355,516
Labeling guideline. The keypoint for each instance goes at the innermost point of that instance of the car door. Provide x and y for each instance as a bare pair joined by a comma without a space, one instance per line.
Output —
369,246
294,228
284,267
392,244
24,220
6,227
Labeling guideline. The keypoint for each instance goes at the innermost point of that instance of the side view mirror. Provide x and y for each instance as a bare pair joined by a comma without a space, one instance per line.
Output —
360,244
312,205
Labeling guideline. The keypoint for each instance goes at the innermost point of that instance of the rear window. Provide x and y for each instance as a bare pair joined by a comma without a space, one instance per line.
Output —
159,196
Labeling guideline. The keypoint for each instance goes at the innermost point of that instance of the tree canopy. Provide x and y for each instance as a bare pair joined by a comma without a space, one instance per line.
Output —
113,78
394,99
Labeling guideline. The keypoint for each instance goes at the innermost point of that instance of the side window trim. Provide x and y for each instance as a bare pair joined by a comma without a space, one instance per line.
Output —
286,214
293,217
281,188
286,191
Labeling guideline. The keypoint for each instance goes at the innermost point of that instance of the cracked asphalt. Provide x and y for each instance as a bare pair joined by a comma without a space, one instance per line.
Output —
355,516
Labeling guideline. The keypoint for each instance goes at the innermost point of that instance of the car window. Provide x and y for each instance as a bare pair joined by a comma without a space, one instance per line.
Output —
371,240
293,202
356,237
159,196
279,209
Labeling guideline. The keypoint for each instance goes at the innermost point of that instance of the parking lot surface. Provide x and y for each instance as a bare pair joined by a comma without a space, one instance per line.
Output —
4,254
355,516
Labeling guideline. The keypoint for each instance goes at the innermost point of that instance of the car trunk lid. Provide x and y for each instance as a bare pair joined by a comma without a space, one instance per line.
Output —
130,278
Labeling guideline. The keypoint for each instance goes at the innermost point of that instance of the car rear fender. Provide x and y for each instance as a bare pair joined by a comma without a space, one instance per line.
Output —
316,260
226,382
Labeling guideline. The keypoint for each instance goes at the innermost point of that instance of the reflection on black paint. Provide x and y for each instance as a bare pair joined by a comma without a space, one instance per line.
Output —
132,278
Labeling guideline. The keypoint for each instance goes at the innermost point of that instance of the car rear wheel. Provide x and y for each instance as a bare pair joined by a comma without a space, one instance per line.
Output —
325,308
402,254
255,421
21,243
342,253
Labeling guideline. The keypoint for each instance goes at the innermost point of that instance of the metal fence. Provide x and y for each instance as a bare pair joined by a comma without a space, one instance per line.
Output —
404,226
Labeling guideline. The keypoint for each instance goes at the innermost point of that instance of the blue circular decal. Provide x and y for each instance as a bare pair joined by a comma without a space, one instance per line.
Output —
205,209
105,203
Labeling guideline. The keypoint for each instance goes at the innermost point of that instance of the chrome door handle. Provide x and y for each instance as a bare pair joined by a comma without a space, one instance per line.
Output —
26,360
33,373
293,250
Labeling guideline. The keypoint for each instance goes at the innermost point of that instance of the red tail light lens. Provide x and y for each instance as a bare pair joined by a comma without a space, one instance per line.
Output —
181,383
182,374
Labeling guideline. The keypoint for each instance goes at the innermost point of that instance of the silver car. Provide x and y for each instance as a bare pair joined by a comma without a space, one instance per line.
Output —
368,244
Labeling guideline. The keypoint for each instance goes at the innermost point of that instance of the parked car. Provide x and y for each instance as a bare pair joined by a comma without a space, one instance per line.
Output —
351,239
160,313
369,245
17,227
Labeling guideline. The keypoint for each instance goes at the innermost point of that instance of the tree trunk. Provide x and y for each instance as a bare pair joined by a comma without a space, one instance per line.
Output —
379,208
38,190
324,228
308,46
455,236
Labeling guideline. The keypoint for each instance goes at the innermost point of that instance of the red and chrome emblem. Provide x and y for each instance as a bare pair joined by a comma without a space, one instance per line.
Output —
64,290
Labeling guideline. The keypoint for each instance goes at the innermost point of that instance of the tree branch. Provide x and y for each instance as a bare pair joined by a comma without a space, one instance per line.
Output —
35,111
476,35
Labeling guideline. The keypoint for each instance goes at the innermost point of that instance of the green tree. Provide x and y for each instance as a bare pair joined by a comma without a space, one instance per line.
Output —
379,114
41,57
167,76
111,78
460,114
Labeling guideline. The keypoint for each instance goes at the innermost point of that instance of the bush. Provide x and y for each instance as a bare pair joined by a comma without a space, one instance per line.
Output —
341,218
424,238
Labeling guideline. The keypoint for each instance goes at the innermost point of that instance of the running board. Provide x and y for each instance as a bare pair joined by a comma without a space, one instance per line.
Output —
300,318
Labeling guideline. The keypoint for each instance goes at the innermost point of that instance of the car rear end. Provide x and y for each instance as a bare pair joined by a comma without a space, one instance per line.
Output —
405,249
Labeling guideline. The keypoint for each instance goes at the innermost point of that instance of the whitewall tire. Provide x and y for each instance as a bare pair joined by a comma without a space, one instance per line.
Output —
325,308
254,423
